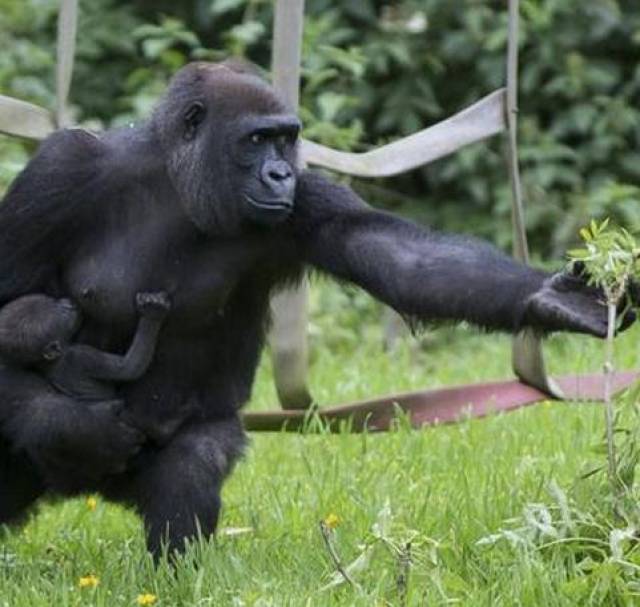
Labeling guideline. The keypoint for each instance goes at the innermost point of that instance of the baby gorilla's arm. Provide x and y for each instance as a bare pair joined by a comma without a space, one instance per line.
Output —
153,309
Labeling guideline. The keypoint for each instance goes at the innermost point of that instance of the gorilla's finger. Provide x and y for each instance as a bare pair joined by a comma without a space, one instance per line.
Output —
589,325
633,292
627,320
577,268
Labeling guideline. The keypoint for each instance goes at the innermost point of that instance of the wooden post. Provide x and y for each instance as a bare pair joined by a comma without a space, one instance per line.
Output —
289,309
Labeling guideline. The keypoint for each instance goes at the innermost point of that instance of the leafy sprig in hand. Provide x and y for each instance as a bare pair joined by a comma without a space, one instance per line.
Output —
610,259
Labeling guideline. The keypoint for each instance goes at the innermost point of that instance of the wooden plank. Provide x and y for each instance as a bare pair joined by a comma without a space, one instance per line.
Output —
22,119
479,121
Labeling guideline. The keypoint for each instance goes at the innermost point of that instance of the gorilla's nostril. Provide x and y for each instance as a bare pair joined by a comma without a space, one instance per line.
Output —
279,175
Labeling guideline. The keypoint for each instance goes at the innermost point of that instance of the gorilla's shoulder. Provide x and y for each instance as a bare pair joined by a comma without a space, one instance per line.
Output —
63,162
130,152
72,142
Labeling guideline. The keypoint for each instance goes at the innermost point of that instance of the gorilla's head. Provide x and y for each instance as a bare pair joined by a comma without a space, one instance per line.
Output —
231,146
35,328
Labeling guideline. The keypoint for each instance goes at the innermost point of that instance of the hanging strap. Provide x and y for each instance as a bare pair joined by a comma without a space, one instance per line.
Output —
22,119
66,48
433,407
479,121
526,357
289,347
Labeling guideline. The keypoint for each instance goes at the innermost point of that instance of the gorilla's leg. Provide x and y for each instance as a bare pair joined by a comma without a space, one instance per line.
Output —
20,484
177,489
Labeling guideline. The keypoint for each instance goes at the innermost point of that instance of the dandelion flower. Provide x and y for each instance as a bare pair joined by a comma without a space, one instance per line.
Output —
92,503
146,599
332,521
88,581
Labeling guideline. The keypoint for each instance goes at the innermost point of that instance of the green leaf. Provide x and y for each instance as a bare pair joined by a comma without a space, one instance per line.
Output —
219,7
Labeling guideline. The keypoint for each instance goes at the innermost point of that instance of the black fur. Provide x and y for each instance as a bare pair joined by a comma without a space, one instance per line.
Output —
205,202
36,333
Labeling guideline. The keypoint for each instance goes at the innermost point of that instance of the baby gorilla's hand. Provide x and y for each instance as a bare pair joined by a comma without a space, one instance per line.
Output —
153,305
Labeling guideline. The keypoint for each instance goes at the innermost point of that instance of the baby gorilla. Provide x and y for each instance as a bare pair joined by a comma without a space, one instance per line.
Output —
36,333
36,330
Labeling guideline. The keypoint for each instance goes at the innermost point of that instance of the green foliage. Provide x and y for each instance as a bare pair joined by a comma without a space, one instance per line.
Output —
611,258
579,92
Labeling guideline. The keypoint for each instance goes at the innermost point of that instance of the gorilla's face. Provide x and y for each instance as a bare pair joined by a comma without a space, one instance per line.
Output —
231,147
264,154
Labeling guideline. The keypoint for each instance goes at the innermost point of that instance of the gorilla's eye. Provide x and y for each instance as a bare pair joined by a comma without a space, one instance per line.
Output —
192,118
257,138
286,140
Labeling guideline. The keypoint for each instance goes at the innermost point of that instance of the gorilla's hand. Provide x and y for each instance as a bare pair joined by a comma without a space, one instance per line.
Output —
566,303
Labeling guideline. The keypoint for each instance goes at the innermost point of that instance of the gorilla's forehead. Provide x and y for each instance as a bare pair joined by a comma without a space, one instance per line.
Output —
232,92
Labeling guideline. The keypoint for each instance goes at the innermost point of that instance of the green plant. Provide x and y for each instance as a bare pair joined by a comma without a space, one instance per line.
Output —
609,260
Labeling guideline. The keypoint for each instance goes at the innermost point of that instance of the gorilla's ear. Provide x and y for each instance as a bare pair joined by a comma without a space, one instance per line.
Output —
242,66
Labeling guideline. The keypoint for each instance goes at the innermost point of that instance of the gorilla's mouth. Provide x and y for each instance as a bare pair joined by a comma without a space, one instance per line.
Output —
270,205
268,212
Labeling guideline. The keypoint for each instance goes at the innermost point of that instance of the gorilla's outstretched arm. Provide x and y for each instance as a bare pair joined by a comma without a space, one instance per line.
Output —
433,276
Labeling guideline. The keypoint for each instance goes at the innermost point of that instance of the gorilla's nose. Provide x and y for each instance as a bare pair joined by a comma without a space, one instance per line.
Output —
278,177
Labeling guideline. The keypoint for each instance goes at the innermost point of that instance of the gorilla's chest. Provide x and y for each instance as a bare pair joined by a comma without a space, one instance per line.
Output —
199,274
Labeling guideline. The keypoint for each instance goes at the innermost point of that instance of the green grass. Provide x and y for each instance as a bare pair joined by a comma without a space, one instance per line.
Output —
441,489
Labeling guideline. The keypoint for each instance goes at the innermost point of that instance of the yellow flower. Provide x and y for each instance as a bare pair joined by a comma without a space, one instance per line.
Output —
332,521
88,581
146,599
92,503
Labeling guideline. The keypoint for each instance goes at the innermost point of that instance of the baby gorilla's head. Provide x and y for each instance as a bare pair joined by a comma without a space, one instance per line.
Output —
36,328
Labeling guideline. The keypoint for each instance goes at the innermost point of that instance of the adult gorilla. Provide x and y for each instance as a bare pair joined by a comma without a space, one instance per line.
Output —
205,202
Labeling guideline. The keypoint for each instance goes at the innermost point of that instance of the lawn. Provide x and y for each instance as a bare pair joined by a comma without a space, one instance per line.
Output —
418,511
